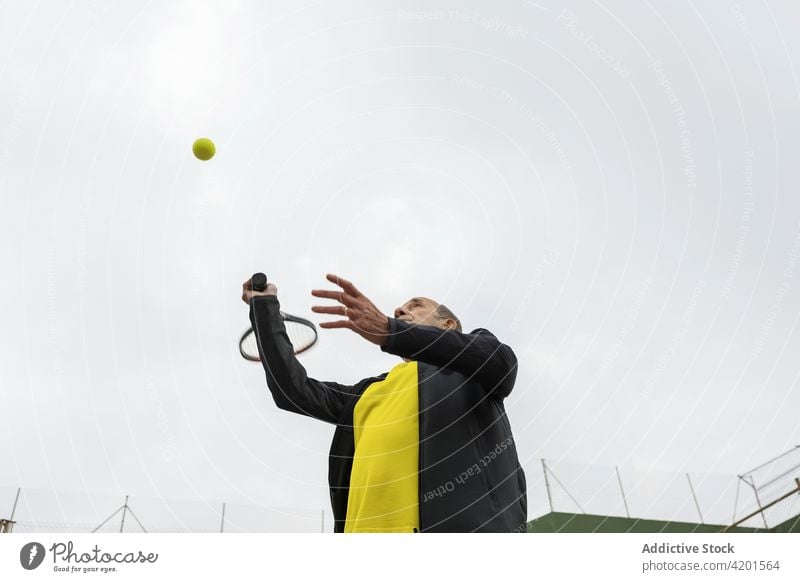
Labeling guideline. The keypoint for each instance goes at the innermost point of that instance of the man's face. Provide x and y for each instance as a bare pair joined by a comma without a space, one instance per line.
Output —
421,311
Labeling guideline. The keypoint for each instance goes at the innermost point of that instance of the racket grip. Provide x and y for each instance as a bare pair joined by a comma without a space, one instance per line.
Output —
259,281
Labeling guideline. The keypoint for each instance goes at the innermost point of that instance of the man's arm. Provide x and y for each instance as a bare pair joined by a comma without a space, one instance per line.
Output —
479,354
287,380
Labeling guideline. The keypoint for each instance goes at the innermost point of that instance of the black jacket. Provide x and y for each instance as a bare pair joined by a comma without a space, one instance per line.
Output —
470,478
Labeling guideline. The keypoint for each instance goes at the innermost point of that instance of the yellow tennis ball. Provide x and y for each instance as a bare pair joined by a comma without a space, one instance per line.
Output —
203,149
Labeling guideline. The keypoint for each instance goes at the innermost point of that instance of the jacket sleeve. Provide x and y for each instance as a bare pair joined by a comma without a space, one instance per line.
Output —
478,354
287,380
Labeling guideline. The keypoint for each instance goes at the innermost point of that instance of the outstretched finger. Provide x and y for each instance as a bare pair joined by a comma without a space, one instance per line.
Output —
342,323
335,295
330,309
344,284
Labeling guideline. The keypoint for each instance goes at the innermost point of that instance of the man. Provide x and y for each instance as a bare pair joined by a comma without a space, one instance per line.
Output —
424,447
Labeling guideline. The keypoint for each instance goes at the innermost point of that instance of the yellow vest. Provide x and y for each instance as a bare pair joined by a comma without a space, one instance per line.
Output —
384,485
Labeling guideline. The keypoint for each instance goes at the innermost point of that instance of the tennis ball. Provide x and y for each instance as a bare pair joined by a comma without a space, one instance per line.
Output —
203,149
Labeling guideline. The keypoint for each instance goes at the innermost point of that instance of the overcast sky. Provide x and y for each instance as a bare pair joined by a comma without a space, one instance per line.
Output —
611,188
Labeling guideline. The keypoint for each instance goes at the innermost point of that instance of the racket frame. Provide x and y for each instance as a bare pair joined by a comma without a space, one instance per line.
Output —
286,317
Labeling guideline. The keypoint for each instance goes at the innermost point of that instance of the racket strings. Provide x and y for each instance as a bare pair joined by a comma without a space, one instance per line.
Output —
302,336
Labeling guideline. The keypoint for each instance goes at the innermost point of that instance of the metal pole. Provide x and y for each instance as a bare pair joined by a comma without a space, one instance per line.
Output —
14,509
107,519
137,519
547,485
781,476
736,502
625,501
322,530
696,504
758,500
222,523
744,519
124,509
754,469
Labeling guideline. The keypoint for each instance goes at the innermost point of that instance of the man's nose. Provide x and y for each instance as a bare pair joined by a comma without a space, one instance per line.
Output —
400,311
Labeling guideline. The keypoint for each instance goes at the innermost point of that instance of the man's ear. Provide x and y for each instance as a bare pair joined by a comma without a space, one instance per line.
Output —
449,324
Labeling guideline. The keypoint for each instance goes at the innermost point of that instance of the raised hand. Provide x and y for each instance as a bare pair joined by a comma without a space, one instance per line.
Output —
359,312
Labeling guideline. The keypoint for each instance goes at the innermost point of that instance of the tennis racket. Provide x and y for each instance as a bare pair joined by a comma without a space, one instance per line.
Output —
302,333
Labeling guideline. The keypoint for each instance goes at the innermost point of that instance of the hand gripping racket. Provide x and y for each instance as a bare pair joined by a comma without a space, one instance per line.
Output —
302,333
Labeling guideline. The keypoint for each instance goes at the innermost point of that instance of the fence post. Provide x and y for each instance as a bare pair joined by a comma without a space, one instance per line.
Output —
696,503
625,501
124,510
547,485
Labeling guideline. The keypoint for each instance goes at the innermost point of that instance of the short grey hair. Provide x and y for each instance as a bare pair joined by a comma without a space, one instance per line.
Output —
443,312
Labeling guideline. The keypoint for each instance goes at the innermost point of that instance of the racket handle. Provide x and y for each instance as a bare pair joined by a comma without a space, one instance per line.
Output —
259,281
